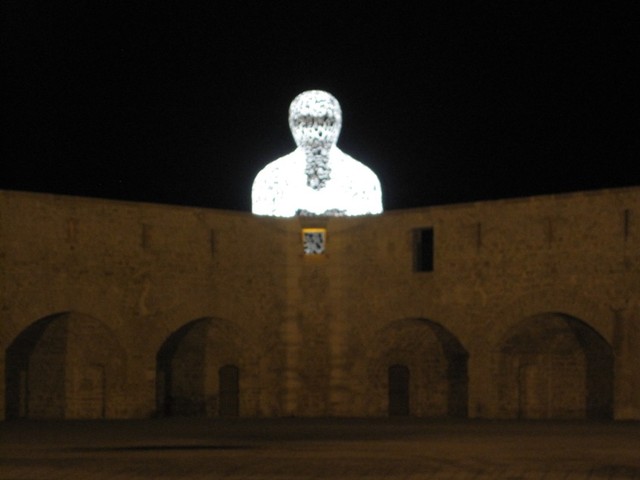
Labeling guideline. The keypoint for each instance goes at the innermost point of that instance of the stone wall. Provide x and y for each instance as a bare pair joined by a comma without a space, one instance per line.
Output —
126,310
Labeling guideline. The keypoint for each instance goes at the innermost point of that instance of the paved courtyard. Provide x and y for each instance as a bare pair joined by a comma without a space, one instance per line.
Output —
304,448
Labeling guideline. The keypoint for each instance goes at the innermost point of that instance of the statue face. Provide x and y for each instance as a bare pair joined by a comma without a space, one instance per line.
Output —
315,120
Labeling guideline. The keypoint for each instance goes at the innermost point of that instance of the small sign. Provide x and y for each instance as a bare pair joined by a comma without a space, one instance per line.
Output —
314,240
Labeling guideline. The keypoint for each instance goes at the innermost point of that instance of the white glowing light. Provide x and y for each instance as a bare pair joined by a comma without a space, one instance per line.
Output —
317,178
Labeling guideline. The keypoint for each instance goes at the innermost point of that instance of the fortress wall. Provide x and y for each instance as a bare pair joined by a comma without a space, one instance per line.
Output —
316,334
496,264
142,270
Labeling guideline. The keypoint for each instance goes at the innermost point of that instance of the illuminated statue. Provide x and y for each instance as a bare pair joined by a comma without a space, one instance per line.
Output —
317,178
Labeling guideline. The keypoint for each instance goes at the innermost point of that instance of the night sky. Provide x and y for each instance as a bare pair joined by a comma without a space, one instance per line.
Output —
184,104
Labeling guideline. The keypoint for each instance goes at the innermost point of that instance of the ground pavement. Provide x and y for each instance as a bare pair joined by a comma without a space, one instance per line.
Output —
320,448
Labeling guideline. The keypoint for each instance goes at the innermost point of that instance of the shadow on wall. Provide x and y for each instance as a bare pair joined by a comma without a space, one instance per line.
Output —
554,366
418,368
550,366
67,365
198,371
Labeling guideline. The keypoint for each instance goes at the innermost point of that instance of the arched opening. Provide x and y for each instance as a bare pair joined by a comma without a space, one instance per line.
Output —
197,371
228,379
555,366
180,372
64,366
424,367
35,372
399,391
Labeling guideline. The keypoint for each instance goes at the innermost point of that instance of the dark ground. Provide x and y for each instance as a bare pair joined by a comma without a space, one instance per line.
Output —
318,448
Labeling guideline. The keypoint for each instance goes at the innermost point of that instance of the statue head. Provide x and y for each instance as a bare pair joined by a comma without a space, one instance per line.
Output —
315,120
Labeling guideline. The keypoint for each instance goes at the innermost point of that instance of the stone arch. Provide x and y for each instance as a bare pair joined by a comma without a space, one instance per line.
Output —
66,365
192,365
553,365
571,302
435,362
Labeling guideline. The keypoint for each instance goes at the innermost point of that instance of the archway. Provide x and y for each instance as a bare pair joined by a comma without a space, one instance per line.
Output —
555,366
64,366
418,368
198,370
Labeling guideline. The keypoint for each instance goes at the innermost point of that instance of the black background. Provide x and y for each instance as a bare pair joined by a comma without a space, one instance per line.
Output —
184,102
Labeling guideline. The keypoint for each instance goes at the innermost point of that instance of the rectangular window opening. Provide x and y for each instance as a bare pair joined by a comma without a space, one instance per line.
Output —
423,250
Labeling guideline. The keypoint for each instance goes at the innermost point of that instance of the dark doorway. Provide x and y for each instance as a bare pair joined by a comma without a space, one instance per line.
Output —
229,391
398,390
91,395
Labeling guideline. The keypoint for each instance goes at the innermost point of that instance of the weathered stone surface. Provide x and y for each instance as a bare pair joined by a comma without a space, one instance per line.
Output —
113,309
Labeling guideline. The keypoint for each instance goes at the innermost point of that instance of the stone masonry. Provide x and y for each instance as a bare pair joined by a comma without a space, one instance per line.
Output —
528,308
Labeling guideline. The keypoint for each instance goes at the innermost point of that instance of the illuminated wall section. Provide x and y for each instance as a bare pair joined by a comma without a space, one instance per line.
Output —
317,178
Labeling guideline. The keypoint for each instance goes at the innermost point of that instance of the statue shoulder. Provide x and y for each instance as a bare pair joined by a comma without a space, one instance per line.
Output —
357,169
278,168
